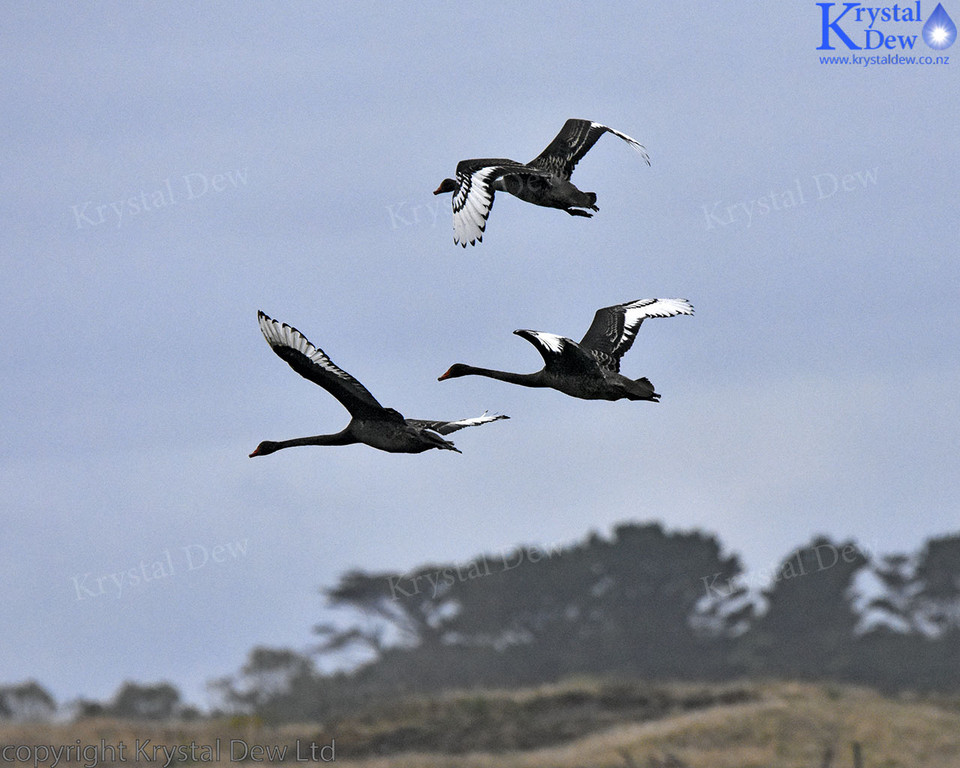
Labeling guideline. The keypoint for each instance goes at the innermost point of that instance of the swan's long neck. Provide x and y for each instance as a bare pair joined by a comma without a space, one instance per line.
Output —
269,446
523,379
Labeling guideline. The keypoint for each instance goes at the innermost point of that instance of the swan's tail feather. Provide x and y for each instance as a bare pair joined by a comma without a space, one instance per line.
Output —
646,390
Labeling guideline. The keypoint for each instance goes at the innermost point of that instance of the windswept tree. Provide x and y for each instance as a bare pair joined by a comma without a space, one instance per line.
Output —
25,702
452,624
914,625
277,684
390,610
921,593
896,607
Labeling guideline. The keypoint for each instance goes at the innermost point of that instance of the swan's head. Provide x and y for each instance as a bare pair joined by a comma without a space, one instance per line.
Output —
455,370
447,185
266,447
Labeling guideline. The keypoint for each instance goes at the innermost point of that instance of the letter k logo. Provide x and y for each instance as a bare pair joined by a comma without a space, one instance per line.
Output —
834,25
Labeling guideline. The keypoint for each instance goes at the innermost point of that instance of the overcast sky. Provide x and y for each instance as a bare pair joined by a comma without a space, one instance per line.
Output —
168,170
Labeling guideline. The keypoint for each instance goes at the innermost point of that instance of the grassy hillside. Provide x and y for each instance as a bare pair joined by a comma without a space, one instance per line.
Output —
583,724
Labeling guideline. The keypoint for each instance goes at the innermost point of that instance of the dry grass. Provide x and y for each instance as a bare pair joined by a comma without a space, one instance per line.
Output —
789,727
784,726
520,720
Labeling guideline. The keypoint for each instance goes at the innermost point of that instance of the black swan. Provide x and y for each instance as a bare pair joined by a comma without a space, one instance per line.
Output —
380,427
545,180
590,369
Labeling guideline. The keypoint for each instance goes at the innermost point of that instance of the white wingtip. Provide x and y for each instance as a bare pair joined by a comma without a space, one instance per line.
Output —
668,308
641,150
481,419
637,146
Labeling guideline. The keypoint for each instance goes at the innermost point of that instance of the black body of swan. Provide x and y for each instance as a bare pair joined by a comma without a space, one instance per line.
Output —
371,423
545,180
590,369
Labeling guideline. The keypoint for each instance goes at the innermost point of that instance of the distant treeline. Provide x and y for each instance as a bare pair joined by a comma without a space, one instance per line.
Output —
643,603
160,701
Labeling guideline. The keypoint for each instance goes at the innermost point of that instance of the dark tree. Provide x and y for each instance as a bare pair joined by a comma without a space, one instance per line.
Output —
83,709
808,629
526,596
938,574
145,702
658,598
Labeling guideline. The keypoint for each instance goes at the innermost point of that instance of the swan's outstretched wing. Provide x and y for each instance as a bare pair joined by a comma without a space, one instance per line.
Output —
446,427
312,363
561,355
614,328
573,142
473,198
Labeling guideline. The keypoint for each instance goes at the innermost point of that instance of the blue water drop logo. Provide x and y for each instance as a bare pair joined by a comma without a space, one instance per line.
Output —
939,32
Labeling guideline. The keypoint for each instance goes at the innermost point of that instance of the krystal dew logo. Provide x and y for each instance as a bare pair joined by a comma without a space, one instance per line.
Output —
859,27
